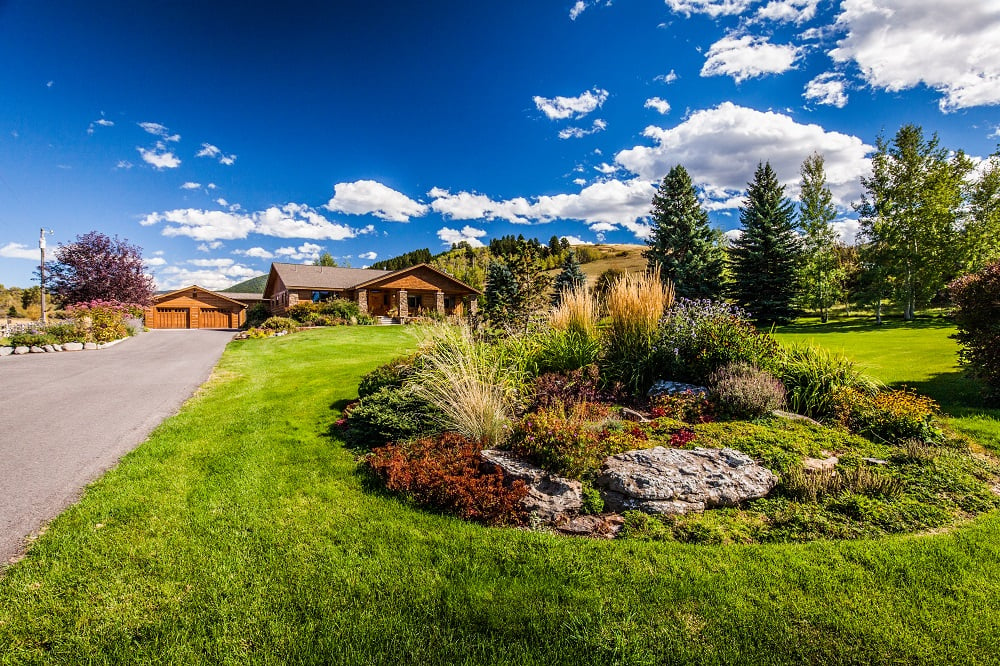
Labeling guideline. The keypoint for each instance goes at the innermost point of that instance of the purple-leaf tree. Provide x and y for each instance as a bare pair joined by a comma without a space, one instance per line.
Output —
97,267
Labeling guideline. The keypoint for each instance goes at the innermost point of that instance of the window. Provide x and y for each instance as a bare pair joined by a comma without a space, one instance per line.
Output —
449,302
320,296
413,302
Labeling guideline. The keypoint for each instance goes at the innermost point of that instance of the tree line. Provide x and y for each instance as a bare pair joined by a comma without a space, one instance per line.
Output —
926,216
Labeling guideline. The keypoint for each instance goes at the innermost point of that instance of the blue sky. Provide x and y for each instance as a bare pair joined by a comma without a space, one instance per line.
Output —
222,136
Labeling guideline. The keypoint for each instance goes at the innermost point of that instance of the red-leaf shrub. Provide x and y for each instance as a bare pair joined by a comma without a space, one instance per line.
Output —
575,386
977,314
688,406
448,473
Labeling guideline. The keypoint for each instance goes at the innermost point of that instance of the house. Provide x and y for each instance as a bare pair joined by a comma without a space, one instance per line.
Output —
195,307
408,292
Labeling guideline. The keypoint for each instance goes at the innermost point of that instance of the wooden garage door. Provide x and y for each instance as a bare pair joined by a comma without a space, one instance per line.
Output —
173,317
213,318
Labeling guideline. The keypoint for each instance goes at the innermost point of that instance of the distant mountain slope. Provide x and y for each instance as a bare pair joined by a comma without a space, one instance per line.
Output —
252,286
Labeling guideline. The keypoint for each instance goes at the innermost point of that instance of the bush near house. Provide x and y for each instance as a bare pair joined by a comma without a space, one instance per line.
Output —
977,314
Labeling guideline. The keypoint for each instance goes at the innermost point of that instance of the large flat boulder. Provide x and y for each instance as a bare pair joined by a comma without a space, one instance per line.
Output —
675,481
549,496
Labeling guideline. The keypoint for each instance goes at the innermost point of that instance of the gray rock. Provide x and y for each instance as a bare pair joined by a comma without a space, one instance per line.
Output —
73,346
21,350
674,481
35,349
549,496
6,351
90,345
792,416
57,348
49,348
605,526
818,465
876,461
664,387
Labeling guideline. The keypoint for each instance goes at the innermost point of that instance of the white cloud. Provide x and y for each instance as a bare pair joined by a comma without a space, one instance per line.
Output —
368,255
190,186
159,157
155,261
104,122
661,106
208,150
156,129
899,44
574,240
369,196
210,277
211,186
50,84
202,225
721,146
579,181
468,235
713,8
474,206
19,251
227,160
605,168
577,9
221,202
667,78
602,227
599,125
560,108
788,11
124,164
255,252
745,57
300,221
208,247
304,252
212,263
847,229
827,88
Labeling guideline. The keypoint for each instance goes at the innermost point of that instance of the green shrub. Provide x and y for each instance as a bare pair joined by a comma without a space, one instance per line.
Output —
696,338
392,375
302,310
32,339
278,324
258,333
593,503
977,315
67,332
338,308
388,415
745,392
688,406
889,416
812,376
257,314
563,350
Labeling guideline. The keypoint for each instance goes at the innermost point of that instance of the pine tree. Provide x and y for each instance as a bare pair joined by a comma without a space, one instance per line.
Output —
681,243
821,275
500,293
765,256
570,277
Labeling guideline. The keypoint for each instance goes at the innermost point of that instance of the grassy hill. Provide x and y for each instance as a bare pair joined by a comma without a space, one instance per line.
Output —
622,257
252,286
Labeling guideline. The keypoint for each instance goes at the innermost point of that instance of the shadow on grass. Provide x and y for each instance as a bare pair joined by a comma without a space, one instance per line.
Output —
954,391
859,325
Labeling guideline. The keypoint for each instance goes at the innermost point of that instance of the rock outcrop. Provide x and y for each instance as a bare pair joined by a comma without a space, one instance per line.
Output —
675,481
550,496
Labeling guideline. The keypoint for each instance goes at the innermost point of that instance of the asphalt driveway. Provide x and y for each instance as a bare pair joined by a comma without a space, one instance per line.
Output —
66,418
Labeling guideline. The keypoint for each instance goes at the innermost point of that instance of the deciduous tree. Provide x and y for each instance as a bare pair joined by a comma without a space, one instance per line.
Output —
820,272
98,267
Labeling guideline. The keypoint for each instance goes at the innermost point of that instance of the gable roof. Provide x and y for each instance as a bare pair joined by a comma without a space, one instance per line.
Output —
161,297
242,295
334,278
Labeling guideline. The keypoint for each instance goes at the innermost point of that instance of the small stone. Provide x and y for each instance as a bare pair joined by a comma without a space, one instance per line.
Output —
21,350
90,345
875,461
6,351
792,416
35,349
665,387
57,348
73,346
818,465
49,348
603,527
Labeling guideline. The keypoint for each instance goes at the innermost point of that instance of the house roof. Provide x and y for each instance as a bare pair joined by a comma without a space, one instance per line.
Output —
227,297
403,271
243,296
305,276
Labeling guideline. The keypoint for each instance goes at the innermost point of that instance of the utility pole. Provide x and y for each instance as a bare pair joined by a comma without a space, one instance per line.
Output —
41,270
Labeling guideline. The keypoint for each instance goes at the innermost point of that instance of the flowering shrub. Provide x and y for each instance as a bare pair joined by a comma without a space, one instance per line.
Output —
447,472
746,392
277,324
696,338
686,406
977,314
105,320
891,416
307,312
567,388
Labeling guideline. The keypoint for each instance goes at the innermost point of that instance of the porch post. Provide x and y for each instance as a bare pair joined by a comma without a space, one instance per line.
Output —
362,298
404,310
439,302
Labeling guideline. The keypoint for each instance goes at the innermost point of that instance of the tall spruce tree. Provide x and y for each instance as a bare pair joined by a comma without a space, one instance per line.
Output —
682,244
821,275
569,278
765,257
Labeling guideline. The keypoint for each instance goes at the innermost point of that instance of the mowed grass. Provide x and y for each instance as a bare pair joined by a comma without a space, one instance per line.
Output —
920,355
240,532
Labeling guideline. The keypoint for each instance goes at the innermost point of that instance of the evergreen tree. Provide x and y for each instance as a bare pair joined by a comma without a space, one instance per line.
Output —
822,277
681,243
325,259
765,257
570,277
500,293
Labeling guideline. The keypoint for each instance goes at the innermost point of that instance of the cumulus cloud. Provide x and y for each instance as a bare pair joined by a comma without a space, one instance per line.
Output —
208,150
155,261
291,220
19,251
100,122
577,9
156,129
299,221
788,11
667,78
574,240
368,256
304,252
467,234
210,277
474,206
899,44
847,229
721,147
123,164
208,247
369,196
190,186
713,8
212,263
599,125
255,252
560,108
746,57
159,157
827,88
661,106
202,225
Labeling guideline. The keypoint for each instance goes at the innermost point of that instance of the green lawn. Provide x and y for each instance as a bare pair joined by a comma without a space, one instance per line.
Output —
242,533
918,354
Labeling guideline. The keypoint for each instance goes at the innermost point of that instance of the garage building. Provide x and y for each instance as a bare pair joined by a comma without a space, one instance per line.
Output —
195,307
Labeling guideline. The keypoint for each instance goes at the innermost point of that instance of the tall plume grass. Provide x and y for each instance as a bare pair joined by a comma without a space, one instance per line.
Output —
634,304
572,340
473,386
576,312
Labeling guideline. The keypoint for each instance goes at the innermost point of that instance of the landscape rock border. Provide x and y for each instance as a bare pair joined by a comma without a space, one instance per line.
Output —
65,347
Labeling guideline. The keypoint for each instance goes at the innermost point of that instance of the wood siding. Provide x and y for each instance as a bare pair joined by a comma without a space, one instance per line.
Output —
186,310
